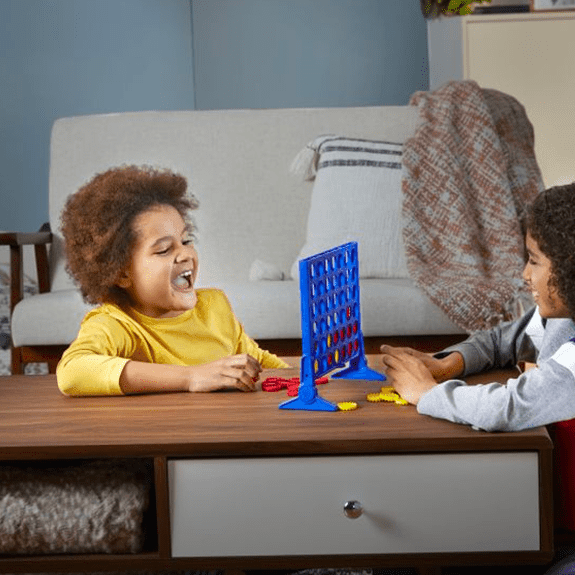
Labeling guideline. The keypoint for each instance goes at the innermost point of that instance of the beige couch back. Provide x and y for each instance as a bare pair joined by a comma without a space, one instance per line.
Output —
237,164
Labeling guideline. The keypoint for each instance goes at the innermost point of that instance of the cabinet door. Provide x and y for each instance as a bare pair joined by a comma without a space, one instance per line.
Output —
411,504
532,59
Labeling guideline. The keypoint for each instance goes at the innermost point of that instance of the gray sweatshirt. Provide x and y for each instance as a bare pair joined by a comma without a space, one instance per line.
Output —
539,396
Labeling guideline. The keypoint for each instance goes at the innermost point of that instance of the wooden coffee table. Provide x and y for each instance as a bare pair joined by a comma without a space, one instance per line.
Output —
242,484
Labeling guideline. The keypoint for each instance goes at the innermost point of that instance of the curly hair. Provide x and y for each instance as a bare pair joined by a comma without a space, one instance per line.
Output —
550,221
97,224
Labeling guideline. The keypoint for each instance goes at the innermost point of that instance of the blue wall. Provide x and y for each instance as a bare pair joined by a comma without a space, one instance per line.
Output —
297,53
71,57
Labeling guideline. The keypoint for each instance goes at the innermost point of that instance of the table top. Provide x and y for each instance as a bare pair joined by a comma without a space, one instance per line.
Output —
38,422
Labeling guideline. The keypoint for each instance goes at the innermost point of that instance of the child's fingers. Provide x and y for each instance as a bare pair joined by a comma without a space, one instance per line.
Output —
393,361
241,374
402,359
245,360
403,366
391,350
403,352
242,380
247,363
237,371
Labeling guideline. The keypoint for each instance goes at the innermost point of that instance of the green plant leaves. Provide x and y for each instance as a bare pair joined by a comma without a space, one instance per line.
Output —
462,6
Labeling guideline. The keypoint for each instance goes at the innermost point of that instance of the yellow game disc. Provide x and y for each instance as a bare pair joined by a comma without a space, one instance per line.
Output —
374,397
388,390
347,405
401,401
389,396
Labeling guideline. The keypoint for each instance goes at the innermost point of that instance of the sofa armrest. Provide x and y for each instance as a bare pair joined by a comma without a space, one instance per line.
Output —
16,241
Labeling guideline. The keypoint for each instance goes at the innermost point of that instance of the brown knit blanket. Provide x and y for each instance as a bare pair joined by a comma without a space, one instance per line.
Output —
469,172
89,507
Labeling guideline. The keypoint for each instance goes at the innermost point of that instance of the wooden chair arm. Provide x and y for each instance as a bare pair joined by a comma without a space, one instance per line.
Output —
16,241
25,239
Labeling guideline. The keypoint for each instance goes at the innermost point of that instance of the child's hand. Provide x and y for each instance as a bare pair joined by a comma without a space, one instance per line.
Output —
442,369
408,374
236,371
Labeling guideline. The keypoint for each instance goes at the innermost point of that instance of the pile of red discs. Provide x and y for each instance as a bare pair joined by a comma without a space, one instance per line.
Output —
291,384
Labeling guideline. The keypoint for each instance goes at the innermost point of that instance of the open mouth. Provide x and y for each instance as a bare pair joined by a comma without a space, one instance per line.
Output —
184,281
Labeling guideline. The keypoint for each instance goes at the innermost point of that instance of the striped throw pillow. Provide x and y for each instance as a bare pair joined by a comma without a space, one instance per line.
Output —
356,196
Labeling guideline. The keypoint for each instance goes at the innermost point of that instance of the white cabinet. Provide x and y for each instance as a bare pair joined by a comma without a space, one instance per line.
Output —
420,503
530,56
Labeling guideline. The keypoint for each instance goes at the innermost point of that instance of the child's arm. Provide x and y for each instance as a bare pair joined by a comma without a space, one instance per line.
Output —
503,346
106,359
416,372
265,358
537,397
247,345
235,372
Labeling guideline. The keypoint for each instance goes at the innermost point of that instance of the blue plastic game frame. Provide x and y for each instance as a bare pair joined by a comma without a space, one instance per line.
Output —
331,325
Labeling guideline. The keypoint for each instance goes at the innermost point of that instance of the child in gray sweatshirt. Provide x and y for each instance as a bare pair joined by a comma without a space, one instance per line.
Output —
545,335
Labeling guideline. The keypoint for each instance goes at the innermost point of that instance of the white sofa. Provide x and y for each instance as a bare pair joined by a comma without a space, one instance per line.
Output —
251,208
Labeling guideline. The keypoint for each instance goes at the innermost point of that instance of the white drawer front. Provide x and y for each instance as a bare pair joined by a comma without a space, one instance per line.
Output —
412,504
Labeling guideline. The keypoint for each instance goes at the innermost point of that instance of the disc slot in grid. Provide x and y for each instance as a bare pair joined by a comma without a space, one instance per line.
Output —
334,310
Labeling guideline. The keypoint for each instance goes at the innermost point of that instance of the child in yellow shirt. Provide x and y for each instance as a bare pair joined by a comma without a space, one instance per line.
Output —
130,249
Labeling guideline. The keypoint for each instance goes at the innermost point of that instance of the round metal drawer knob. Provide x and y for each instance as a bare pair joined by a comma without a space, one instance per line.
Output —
353,509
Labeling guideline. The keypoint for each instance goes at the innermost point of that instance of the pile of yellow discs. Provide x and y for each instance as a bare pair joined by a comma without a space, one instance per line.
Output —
387,394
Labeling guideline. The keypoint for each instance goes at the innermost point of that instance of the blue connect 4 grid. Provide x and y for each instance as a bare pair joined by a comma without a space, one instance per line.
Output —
330,324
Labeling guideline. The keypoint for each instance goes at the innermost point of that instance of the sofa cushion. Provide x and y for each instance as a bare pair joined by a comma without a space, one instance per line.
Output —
388,306
267,309
357,197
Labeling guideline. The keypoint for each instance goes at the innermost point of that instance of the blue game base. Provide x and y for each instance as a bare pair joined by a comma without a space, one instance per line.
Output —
308,400
318,404
358,369
359,373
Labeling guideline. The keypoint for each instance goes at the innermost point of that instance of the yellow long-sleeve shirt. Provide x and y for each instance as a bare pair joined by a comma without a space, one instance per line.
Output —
110,337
